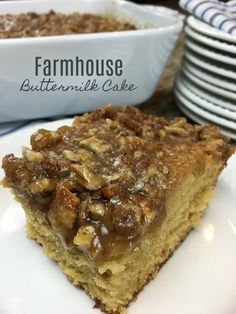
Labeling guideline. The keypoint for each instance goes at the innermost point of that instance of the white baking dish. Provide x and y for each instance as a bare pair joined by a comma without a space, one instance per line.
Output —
143,53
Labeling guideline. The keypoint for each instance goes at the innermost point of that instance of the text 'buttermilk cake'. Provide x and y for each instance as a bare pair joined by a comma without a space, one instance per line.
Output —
112,196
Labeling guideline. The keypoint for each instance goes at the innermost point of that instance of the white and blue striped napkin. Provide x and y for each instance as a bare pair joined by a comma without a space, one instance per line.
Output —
216,13
10,127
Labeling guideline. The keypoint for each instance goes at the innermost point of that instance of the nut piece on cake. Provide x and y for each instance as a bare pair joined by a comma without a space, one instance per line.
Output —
115,194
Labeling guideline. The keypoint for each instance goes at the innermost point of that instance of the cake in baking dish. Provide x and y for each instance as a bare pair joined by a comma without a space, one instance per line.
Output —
111,197
32,24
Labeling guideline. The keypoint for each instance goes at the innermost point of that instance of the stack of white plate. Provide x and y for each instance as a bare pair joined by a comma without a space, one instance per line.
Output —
206,85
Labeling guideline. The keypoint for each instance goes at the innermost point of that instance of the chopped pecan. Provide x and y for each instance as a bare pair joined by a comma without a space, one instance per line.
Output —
109,191
44,139
84,237
131,123
54,167
63,210
83,156
127,220
137,154
32,156
152,170
71,156
95,145
87,178
88,241
42,185
91,180
165,170
209,133
111,124
178,126
122,142
97,210
176,130
16,171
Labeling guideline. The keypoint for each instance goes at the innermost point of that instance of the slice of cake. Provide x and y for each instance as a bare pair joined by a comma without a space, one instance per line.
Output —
112,196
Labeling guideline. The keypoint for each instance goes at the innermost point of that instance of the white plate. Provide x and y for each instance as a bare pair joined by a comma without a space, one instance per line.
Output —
181,91
203,268
217,104
209,77
185,105
216,114
208,65
209,87
200,120
231,48
208,30
209,52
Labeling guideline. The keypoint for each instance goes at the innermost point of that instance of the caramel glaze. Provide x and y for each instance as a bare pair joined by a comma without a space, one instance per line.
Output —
103,182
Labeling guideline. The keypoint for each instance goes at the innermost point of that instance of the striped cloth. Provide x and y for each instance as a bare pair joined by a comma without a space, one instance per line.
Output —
216,13
11,127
